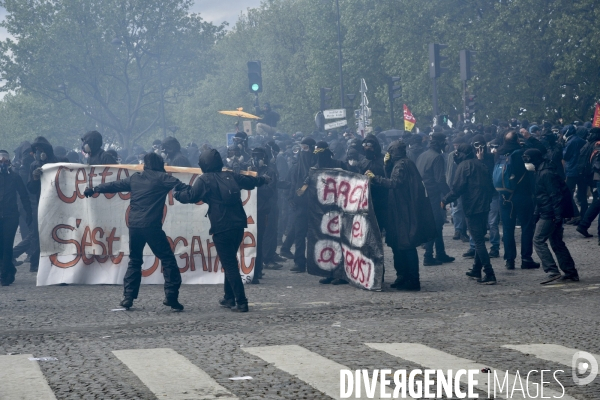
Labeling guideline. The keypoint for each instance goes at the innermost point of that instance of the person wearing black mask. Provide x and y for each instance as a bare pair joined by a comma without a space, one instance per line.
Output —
43,154
264,197
297,197
517,203
432,167
473,184
324,157
552,204
353,161
149,190
554,151
21,163
11,184
373,162
171,153
410,220
91,144
221,191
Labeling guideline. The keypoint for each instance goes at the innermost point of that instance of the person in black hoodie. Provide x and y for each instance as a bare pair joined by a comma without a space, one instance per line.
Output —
297,197
11,184
373,162
227,218
91,144
172,150
473,184
519,204
21,163
552,204
264,197
410,220
43,154
149,190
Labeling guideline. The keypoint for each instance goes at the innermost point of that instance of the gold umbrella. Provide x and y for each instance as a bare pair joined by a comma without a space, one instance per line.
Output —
240,114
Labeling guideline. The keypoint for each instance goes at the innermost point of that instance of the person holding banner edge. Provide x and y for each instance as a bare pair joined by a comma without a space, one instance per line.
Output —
221,191
148,190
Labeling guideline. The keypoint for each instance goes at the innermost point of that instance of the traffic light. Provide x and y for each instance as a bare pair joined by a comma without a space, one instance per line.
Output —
435,60
471,106
325,98
254,77
467,61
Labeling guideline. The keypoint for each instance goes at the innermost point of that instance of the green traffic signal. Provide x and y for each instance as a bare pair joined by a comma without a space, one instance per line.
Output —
255,87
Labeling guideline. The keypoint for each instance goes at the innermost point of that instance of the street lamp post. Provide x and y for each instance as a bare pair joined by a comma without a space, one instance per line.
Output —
339,32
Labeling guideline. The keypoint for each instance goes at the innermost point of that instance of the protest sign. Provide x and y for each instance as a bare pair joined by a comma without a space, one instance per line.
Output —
86,240
344,240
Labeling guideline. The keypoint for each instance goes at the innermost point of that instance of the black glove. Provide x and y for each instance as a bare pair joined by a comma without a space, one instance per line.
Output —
37,173
28,219
88,192
264,180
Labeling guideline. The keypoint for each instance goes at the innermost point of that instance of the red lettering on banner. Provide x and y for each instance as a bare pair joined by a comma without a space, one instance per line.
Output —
244,202
333,226
197,243
104,174
344,190
86,240
353,198
152,269
110,240
54,257
61,195
330,188
327,256
123,196
104,256
215,266
356,230
79,181
358,268
183,256
246,269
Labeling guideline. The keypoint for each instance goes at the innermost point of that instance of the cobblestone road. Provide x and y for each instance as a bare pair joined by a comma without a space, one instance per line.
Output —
451,314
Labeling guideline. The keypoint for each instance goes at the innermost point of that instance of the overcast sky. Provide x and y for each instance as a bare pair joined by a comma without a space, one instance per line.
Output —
215,11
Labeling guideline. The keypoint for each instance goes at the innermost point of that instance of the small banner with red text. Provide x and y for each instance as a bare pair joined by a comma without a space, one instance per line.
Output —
344,240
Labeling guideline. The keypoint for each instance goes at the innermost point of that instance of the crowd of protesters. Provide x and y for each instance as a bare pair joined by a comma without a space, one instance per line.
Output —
487,181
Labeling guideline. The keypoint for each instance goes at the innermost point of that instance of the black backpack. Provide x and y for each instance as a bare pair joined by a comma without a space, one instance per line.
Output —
226,186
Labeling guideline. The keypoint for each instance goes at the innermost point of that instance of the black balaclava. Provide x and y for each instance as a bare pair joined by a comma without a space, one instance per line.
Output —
396,151
259,158
91,142
371,147
463,152
438,142
210,161
324,155
533,156
4,162
154,162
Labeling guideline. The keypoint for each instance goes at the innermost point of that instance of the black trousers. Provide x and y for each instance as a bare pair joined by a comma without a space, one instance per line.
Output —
8,230
227,244
592,212
270,239
31,243
159,244
406,264
300,232
477,226
262,218
580,195
438,242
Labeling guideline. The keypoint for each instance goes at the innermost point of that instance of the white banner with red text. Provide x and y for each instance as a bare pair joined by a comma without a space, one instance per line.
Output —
86,240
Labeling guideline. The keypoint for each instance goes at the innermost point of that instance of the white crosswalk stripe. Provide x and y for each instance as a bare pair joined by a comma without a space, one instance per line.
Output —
318,371
171,376
435,359
22,379
549,352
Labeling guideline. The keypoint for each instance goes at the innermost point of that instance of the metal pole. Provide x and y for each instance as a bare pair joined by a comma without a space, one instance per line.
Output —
435,97
337,5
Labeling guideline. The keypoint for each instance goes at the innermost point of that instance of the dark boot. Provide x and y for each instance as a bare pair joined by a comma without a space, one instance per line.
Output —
584,231
445,258
325,281
127,302
339,282
510,264
240,308
286,253
298,269
456,235
529,264
474,273
173,303
469,254
489,277
494,252
228,303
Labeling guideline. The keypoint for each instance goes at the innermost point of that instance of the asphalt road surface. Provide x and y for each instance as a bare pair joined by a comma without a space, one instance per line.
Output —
298,334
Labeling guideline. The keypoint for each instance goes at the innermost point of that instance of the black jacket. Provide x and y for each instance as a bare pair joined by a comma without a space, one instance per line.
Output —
432,167
149,190
409,221
266,193
552,197
473,183
35,186
97,156
11,184
223,217
518,167
174,156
